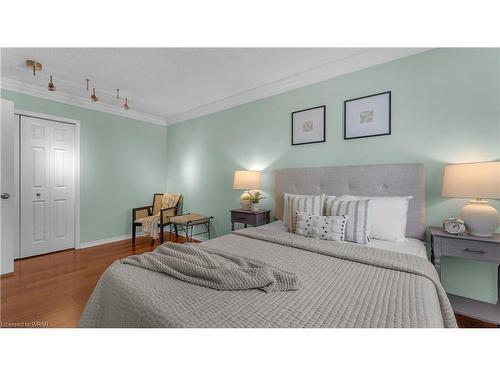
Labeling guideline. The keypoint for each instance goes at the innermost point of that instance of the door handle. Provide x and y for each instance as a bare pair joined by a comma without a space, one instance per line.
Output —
5,196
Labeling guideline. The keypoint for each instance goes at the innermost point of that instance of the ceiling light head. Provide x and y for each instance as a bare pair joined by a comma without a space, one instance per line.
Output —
125,105
52,87
93,97
35,65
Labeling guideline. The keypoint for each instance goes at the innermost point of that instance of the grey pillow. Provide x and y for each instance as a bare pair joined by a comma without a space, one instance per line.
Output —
330,228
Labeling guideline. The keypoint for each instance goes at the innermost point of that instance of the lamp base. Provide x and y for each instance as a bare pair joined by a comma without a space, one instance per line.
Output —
480,218
245,201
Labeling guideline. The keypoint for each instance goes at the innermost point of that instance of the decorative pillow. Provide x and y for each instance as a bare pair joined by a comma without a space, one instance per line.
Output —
330,228
329,199
388,215
357,228
312,204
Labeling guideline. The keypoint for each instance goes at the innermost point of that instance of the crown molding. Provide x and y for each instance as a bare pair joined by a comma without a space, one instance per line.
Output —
79,101
361,60
367,58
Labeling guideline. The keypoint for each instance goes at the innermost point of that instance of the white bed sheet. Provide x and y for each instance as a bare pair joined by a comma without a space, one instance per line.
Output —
409,246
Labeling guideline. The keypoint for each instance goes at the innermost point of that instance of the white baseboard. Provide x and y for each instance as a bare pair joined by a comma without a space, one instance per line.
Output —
112,239
107,240
200,237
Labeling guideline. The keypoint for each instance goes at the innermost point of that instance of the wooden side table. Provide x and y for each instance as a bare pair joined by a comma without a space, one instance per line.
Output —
485,249
246,217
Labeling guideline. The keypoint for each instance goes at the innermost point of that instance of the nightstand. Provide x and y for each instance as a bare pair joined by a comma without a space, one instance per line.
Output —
485,249
246,217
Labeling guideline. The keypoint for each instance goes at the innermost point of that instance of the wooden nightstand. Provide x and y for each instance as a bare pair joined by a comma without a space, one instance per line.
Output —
485,249
249,217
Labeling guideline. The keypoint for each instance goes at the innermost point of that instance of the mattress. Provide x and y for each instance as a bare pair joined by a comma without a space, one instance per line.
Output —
409,246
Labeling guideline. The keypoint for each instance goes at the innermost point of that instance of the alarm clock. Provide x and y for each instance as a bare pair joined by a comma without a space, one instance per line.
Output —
454,225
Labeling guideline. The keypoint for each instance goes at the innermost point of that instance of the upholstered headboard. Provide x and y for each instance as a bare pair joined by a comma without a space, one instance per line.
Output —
362,180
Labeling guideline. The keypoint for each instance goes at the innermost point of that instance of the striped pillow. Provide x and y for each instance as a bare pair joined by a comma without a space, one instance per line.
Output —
329,199
311,204
357,228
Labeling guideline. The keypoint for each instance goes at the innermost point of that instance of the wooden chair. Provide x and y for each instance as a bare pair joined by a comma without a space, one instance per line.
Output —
140,213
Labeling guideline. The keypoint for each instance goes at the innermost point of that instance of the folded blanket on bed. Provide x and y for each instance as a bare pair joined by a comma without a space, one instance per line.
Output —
217,271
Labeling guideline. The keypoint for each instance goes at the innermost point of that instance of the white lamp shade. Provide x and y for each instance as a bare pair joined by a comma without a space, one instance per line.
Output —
246,180
472,180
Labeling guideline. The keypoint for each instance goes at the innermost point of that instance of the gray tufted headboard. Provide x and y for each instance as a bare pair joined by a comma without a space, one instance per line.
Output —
362,180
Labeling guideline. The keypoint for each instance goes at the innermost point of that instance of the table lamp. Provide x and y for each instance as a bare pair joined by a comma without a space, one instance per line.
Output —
477,181
246,180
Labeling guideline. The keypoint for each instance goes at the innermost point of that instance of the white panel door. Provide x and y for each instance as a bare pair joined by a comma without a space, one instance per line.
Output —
62,187
47,186
35,142
8,197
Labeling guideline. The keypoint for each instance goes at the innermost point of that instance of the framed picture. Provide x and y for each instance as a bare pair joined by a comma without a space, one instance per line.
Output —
308,125
368,116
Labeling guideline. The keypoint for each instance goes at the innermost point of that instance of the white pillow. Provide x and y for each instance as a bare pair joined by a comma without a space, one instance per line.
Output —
312,204
388,216
329,228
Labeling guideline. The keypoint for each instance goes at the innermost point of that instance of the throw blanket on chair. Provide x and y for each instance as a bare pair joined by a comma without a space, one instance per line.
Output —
150,223
217,271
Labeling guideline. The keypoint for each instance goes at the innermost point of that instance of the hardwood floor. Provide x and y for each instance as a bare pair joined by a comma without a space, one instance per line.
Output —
51,290
466,322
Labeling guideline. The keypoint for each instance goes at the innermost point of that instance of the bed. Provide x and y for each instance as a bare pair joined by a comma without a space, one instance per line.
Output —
342,284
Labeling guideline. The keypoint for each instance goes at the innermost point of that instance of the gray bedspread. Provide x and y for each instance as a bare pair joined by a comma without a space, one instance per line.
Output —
342,285
217,271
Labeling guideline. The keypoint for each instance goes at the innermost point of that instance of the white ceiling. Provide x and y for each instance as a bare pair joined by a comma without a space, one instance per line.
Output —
175,84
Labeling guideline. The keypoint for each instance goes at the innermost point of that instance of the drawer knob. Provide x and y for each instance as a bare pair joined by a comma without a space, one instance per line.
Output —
474,250
242,218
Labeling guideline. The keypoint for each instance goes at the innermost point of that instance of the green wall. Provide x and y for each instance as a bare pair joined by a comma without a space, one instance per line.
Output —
445,109
122,163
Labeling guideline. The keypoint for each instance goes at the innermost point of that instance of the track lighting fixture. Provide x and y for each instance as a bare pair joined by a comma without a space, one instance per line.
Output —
125,105
52,87
93,97
35,65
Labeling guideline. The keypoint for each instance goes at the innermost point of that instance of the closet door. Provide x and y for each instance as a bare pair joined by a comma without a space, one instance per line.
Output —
47,186
35,139
62,189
